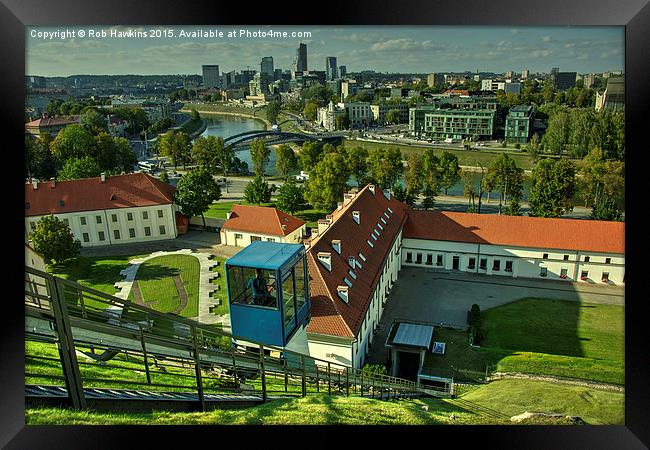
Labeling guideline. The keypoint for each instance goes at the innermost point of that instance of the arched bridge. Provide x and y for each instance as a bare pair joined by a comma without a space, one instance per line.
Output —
278,137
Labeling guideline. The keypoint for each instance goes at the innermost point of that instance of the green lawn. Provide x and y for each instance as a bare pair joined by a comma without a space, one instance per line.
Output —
465,157
154,278
513,397
100,273
540,336
222,293
505,398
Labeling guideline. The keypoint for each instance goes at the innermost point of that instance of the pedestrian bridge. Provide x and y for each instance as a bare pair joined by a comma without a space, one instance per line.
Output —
279,137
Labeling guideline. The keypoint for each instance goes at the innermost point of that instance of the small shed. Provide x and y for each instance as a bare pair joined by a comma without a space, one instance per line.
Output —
408,342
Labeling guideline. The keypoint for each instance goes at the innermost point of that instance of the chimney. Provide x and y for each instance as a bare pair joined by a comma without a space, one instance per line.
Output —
35,183
387,193
371,188
336,245
347,198
53,181
103,177
342,291
228,214
356,216
339,205
326,260
323,224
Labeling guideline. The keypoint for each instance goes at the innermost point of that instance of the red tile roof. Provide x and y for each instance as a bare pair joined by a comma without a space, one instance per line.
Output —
90,194
262,220
329,313
518,231
52,122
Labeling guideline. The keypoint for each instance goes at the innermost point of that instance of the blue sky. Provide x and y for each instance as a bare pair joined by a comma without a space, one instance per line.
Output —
418,49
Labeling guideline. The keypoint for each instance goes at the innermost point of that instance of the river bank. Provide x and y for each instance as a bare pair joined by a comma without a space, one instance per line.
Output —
266,123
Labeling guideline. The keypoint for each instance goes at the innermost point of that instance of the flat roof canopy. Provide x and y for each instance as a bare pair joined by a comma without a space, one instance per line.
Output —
265,255
413,335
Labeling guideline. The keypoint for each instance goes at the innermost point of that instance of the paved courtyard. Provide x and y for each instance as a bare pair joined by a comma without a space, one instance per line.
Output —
443,298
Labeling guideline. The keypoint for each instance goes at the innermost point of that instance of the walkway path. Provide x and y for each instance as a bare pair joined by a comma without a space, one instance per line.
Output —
182,293
206,287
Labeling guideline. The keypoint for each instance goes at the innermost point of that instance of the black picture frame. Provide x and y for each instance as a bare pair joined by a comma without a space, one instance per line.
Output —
16,14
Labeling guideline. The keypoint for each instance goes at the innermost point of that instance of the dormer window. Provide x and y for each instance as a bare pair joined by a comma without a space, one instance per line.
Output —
326,260
61,203
336,245
356,216
26,205
342,292
352,261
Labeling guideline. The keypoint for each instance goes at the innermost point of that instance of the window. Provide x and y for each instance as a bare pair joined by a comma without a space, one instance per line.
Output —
66,222
101,236
605,277
563,273
161,228
86,237
429,259
472,263
418,258
147,231
114,217
255,238
608,260
132,232
409,257
508,266
129,216
99,219
270,239
82,220
238,236
586,259
116,234
543,271
32,225
160,213
496,265
363,258
252,286
584,275
566,257
545,256
145,215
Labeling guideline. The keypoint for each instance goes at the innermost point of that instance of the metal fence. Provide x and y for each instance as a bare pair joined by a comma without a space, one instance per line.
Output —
80,338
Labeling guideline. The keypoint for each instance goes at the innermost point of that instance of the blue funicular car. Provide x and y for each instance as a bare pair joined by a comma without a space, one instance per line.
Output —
268,292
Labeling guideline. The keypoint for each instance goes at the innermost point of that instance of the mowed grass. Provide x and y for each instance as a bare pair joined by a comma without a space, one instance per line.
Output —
157,286
100,273
539,337
222,293
474,158
503,399
513,397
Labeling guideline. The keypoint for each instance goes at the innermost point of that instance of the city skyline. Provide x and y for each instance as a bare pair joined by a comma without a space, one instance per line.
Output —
416,49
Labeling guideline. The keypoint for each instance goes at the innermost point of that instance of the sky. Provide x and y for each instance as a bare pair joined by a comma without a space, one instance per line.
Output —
413,49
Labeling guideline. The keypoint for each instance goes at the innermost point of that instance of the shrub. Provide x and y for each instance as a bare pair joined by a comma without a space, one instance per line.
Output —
374,369
517,145
474,321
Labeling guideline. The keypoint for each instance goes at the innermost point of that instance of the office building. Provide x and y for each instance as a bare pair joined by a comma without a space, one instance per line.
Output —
331,71
524,74
266,67
614,96
519,124
563,80
211,76
343,71
447,123
301,59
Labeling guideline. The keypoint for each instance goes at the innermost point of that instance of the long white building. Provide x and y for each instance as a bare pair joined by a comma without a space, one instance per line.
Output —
357,252
106,210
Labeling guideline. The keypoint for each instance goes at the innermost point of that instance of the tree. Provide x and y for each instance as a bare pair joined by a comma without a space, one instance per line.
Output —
290,197
194,115
469,191
533,148
327,182
195,192
393,116
385,166
403,195
75,168
605,209
272,110
557,133
552,188
258,191
507,178
93,121
285,160
449,170
602,182
430,177
164,177
311,111
203,152
342,121
310,154
260,156
175,145
356,159
413,176
53,240
73,141
224,155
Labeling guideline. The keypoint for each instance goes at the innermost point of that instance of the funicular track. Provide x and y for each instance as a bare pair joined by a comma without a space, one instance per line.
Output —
87,349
